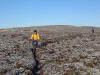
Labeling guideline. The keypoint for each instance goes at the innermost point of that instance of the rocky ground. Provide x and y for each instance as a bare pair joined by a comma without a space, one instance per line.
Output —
63,50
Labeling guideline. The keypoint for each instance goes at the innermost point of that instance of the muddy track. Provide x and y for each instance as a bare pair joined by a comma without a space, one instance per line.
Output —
37,68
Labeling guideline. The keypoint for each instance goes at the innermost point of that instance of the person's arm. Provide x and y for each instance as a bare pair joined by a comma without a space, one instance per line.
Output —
38,37
32,37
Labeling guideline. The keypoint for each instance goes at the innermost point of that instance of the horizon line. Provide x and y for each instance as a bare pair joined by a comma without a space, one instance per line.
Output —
50,25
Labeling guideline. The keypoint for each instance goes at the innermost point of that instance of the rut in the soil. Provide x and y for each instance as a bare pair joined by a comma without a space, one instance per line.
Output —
36,68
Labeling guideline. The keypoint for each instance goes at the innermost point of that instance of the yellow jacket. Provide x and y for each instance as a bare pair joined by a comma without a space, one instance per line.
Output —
35,37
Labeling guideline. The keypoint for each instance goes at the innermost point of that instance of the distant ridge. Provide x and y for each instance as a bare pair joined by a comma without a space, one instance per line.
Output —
50,26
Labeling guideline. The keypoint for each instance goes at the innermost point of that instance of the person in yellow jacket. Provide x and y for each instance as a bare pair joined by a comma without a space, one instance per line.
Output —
35,37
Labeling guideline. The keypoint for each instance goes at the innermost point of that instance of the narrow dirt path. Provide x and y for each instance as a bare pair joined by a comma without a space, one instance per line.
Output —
35,70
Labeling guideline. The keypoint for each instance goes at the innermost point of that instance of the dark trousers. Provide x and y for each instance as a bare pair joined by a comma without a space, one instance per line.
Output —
35,42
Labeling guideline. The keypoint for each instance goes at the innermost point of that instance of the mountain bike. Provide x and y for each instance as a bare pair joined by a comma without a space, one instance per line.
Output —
33,48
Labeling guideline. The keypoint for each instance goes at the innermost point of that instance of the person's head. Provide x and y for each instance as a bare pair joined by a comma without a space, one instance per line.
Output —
35,31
